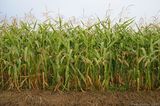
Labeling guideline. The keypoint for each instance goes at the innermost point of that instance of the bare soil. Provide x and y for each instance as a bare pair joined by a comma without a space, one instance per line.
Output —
45,98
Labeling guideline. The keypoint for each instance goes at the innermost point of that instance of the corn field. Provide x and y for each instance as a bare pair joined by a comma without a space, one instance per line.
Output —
64,57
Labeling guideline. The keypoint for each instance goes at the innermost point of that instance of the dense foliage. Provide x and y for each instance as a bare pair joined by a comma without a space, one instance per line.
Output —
66,57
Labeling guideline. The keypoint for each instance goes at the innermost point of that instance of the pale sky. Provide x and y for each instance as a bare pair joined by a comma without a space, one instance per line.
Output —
80,8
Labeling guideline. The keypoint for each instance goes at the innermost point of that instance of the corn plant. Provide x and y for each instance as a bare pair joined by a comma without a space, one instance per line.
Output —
59,56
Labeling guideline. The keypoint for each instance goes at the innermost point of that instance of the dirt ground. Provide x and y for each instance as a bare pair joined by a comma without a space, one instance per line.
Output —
45,98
